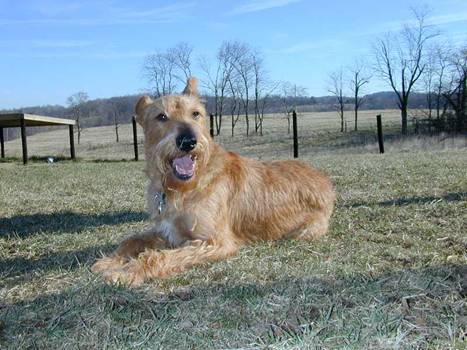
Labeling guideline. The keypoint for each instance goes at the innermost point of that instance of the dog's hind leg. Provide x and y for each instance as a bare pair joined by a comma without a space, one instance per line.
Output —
163,263
316,227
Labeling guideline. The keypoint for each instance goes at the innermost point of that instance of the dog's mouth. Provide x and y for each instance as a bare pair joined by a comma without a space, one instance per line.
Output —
184,167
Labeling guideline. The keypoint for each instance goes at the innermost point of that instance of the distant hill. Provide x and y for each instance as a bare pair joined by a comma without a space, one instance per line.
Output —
103,111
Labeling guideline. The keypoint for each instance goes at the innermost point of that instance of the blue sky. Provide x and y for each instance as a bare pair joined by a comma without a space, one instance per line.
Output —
50,49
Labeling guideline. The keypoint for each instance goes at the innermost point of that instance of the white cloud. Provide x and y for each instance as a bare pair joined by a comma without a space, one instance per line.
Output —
105,55
438,20
113,16
261,5
448,19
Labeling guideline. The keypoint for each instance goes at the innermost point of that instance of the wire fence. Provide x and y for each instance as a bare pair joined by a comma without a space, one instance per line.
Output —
315,133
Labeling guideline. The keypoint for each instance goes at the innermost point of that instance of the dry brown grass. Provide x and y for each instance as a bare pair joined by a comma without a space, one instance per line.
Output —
391,273
99,142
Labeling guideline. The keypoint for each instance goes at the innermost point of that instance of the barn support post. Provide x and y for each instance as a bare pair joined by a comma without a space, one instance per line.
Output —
295,134
2,143
24,141
380,133
72,142
135,138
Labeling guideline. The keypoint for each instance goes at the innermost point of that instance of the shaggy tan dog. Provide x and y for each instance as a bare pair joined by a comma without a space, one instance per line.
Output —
207,202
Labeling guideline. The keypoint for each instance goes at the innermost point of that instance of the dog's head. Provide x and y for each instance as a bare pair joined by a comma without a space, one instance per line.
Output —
177,140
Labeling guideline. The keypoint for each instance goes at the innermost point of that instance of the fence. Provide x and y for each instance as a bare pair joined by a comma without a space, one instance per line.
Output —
298,135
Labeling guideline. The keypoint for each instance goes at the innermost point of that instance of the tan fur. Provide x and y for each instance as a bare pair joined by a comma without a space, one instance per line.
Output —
229,202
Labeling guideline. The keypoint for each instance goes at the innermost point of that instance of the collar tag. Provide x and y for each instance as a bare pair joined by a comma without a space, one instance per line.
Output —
160,201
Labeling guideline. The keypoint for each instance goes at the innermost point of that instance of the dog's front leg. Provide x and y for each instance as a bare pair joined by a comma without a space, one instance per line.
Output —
163,263
129,248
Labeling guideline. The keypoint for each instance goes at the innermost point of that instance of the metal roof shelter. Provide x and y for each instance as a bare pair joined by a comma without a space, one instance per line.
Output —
23,120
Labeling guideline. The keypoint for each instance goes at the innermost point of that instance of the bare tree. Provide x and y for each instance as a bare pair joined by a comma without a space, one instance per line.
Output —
336,87
243,65
359,77
271,88
285,98
115,111
456,92
166,71
289,94
263,88
236,95
441,63
77,102
181,57
217,79
428,80
233,64
159,71
116,114
400,60
433,78
259,80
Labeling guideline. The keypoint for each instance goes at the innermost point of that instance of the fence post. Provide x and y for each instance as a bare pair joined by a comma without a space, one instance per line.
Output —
135,138
72,142
380,134
295,136
24,141
211,125
2,143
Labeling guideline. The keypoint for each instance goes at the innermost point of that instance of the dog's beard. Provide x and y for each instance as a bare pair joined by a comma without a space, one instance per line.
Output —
165,161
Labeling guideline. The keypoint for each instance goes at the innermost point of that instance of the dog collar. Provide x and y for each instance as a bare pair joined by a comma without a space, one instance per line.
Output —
160,201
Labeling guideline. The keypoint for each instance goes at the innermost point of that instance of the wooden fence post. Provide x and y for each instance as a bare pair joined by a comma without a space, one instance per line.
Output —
2,143
211,125
295,135
135,137
24,141
72,142
380,134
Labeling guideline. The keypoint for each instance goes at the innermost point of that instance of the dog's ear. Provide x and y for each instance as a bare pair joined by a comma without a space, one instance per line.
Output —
141,105
191,87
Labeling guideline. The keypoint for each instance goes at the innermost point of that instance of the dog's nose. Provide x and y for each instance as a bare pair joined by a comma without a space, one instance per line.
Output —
186,141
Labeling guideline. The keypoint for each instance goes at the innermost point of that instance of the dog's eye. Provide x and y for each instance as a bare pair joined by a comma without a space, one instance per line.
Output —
162,117
196,114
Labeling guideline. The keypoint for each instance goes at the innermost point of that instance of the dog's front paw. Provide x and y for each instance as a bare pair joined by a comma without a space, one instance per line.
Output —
129,274
115,271
107,263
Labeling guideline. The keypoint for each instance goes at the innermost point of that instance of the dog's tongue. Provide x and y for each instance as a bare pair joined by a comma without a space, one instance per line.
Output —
184,165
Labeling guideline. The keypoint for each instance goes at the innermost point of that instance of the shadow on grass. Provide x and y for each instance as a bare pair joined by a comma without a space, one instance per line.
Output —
63,222
21,268
322,307
101,160
44,160
38,159
448,197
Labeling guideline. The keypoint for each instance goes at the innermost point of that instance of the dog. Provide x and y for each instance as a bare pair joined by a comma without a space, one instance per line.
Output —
207,202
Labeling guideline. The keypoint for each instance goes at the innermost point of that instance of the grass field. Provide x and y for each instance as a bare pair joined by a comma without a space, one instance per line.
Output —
391,273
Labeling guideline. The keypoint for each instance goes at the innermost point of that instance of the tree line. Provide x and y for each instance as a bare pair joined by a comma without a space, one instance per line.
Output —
422,71
415,63
415,59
